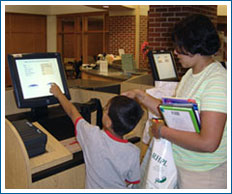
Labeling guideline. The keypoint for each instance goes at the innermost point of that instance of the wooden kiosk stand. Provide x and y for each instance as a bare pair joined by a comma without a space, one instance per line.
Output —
61,166
32,74
19,168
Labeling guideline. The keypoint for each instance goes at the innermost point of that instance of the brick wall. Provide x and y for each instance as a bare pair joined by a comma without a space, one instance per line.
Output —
162,19
143,63
122,34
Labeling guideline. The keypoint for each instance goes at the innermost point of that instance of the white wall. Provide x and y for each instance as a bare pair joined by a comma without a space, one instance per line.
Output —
51,34
49,9
222,10
30,9
67,9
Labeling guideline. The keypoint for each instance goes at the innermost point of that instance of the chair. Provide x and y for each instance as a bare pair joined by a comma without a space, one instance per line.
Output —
77,65
69,69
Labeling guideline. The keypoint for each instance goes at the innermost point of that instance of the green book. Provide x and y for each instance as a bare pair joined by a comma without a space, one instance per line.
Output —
180,117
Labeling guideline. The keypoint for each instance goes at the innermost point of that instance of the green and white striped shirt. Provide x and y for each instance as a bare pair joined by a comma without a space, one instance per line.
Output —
209,89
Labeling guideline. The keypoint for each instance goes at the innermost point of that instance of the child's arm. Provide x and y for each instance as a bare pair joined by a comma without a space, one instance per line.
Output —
68,107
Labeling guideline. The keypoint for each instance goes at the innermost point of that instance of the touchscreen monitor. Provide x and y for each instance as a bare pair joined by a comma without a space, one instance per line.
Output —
162,65
32,75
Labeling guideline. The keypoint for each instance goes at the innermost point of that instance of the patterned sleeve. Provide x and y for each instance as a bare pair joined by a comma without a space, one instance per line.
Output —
215,95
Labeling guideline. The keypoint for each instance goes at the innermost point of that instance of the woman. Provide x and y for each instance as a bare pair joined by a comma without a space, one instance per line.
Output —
200,157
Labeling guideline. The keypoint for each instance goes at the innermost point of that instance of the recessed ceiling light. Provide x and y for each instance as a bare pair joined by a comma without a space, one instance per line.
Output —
105,6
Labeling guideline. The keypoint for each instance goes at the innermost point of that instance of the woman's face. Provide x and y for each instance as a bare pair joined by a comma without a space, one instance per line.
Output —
186,60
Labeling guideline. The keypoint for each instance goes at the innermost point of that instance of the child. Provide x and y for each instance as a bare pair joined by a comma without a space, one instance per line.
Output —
111,161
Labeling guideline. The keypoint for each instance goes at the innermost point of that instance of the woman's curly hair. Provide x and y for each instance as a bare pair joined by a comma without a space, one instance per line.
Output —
196,34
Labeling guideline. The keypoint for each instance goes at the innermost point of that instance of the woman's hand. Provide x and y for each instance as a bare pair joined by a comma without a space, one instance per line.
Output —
55,90
156,129
208,140
148,101
135,94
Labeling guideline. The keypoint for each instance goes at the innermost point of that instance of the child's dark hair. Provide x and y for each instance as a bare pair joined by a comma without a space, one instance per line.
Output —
196,34
124,113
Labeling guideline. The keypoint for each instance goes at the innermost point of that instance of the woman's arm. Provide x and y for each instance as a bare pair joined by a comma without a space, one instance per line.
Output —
68,107
209,138
148,101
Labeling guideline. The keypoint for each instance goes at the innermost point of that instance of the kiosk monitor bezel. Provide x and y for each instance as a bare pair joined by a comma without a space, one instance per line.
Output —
158,70
41,101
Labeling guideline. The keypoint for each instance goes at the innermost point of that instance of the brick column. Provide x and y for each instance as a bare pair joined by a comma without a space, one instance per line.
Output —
162,19
122,34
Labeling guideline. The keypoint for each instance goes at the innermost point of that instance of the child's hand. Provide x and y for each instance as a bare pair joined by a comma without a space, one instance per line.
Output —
55,90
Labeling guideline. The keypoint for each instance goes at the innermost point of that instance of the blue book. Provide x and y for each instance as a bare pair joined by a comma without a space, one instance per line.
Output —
170,100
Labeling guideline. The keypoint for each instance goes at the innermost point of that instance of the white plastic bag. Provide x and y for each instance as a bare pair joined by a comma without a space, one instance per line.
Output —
161,89
158,170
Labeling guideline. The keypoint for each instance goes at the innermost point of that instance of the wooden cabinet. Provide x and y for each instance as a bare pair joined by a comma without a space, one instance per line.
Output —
25,33
82,36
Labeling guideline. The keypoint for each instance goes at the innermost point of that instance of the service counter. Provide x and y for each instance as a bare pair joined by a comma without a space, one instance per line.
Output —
96,85
113,74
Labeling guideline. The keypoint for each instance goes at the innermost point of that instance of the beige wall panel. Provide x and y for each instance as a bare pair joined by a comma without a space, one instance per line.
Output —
15,156
73,178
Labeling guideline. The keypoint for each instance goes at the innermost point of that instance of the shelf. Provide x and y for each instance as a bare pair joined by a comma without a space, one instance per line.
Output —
56,153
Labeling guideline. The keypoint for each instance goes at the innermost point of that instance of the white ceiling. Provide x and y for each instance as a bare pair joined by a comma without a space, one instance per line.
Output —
113,7
66,9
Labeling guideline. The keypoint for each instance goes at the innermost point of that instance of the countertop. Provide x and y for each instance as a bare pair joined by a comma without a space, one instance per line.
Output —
113,73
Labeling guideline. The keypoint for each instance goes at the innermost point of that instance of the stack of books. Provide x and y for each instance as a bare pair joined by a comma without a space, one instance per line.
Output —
181,114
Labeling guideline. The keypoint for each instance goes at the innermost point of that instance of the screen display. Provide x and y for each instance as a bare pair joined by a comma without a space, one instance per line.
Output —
164,65
36,76
32,75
